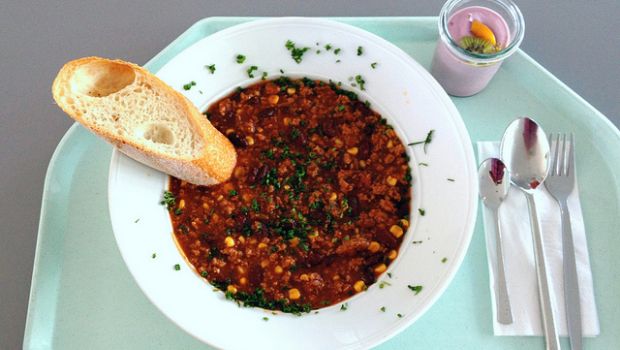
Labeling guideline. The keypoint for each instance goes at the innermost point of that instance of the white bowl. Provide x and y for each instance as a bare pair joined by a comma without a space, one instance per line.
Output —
398,88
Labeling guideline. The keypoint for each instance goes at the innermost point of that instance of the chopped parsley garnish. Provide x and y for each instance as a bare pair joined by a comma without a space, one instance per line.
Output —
337,61
177,267
336,88
340,108
308,82
423,164
240,58
382,309
214,252
344,307
451,180
425,142
154,255
415,289
204,274
255,205
211,68
421,211
373,65
168,200
367,104
336,51
296,52
359,80
443,261
271,179
189,85
136,221
328,47
382,284
389,274
263,76
399,315
265,318
251,70
178,211
257,299
360,50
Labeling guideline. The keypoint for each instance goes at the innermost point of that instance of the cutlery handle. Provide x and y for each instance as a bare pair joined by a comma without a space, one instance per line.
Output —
504,311
571,282
551,335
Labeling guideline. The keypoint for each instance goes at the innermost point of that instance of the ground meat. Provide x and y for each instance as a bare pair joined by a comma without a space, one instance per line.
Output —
317,206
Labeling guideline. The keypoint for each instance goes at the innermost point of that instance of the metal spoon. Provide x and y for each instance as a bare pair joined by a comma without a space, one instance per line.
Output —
494,181
525,150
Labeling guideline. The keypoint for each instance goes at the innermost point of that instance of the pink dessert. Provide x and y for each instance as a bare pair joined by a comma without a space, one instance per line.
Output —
468,74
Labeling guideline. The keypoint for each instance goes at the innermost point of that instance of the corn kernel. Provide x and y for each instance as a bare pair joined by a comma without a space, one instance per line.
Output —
374,247
205,205
243,281
231,289
362,163
264,263
229,242
397,231
304,277
380,268
278,269
249,140
294,294
336,277
359,286
273,99
286,120
404,222
390,144
241,239
220,197
182,204
392,254
287,187
353,150
229,131
333,197
290,90
338,142
391,181
262,245
241,270
294,242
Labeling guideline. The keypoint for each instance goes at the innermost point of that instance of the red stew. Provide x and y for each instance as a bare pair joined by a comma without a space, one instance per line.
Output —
317,205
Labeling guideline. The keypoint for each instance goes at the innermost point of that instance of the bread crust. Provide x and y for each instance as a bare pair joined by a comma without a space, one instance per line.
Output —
216,159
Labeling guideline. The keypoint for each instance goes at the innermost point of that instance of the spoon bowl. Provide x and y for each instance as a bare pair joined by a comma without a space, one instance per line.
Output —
525,150
494,182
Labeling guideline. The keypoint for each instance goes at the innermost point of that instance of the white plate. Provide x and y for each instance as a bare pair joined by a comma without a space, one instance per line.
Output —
403,92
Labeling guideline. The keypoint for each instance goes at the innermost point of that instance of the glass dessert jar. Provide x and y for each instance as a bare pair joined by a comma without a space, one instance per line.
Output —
475,37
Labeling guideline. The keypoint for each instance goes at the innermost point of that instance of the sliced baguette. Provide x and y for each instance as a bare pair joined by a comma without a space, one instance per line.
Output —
144,118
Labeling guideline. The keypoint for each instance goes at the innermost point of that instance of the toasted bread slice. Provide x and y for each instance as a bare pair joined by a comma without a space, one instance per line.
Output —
144,118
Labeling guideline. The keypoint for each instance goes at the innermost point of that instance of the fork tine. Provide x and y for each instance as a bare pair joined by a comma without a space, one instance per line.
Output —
554,154
570,167
563,160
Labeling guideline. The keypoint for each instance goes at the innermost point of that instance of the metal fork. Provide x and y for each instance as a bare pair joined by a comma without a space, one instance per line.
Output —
560,183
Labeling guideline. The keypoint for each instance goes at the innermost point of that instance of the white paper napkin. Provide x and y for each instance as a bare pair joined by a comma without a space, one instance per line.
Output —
519,259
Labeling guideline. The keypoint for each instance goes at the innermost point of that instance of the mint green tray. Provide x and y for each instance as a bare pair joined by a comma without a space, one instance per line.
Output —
83,296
